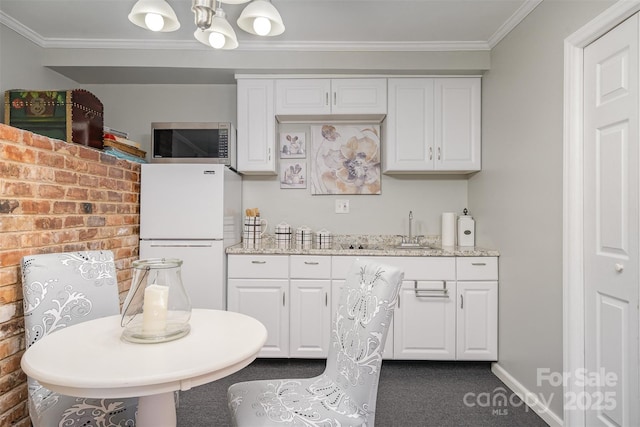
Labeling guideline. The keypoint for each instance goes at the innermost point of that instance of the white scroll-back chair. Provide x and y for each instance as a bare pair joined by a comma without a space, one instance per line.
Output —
60,290
345,394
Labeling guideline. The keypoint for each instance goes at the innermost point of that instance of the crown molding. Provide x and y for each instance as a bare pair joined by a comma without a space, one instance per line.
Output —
20,28
313,46
517,17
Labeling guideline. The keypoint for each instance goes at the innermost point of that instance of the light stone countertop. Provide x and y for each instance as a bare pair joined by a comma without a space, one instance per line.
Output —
373,245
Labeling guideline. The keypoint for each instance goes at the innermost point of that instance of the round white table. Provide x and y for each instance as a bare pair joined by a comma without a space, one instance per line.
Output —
91,360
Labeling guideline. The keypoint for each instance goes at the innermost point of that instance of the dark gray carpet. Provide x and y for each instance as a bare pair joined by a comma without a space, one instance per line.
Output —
410,394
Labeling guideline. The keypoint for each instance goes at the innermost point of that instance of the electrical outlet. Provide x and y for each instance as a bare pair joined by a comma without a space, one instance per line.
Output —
342,206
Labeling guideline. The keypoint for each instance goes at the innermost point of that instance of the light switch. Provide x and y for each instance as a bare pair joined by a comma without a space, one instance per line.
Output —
342,206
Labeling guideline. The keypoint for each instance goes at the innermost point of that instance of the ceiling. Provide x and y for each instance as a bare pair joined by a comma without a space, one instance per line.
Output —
311,25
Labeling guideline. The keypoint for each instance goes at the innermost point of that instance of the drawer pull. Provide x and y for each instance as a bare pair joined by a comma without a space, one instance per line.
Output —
479,263
258,262
311,262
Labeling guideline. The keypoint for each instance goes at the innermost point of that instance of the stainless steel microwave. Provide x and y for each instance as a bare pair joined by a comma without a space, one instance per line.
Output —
193,142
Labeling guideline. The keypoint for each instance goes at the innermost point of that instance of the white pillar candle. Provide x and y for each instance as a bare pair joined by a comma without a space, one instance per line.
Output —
154,311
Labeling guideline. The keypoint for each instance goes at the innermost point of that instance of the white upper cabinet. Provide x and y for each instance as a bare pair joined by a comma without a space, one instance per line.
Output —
331,96
433,125
457,124
256,127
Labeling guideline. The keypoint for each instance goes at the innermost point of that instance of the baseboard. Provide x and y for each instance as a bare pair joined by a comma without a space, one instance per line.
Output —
530,398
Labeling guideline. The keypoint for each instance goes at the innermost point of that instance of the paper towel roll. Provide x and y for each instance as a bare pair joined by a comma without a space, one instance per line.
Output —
448,229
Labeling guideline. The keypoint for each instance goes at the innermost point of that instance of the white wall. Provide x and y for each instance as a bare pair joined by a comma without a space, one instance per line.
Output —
517,198
134,107
386,213
21,67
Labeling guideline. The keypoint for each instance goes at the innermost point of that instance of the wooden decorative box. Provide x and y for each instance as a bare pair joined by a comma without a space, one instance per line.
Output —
70,115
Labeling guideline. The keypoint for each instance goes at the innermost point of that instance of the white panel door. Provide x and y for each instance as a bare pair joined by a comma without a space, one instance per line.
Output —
425,321
457,124
409,132
256,126
359,96
303,96
265,300
309,319
477,321
611,227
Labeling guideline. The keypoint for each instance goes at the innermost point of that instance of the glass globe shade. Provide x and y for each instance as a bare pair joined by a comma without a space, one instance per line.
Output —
262,25
216,40
154,21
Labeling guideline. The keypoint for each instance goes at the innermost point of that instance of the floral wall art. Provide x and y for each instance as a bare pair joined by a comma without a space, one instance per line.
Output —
345,159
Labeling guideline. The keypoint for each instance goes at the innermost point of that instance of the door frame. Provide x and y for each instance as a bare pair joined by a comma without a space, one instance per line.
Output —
573,195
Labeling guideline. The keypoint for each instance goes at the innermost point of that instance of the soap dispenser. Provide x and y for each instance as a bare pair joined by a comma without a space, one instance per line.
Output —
466,229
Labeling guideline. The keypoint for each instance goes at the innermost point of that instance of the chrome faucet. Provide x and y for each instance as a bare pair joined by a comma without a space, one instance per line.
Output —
410,221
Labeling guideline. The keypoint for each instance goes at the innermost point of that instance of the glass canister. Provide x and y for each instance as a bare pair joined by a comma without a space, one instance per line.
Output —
157,307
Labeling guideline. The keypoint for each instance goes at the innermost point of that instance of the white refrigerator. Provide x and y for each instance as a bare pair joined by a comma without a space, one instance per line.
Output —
192,212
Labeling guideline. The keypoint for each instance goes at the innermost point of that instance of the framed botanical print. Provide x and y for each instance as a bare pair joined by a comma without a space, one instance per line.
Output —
293,174
292,145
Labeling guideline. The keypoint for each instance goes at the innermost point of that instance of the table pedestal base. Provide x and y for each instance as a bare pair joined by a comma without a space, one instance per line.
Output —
156,410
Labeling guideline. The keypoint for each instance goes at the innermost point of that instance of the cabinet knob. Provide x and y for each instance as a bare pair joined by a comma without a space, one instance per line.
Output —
619,267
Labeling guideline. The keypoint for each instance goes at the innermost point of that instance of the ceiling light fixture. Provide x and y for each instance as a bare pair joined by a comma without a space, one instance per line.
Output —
154,15
260,17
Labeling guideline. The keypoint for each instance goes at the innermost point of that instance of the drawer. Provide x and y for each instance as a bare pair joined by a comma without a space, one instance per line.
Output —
340,266
415,268
310,267
477,268
425,268
258,266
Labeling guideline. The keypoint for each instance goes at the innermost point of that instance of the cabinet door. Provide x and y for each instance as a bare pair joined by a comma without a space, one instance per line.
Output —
256,127
409,142
425,321
265,300
303,96
477,330
310,323
359,96
336,291
457,124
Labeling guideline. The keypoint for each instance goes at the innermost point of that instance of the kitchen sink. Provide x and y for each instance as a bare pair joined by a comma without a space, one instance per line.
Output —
406,245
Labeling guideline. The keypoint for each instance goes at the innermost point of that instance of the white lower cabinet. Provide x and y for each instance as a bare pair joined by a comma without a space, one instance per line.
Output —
310,312
477,308
265,300
258,286
289,295
447,306
425,321
477,330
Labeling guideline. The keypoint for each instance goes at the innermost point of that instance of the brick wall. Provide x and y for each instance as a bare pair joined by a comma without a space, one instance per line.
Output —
55,197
